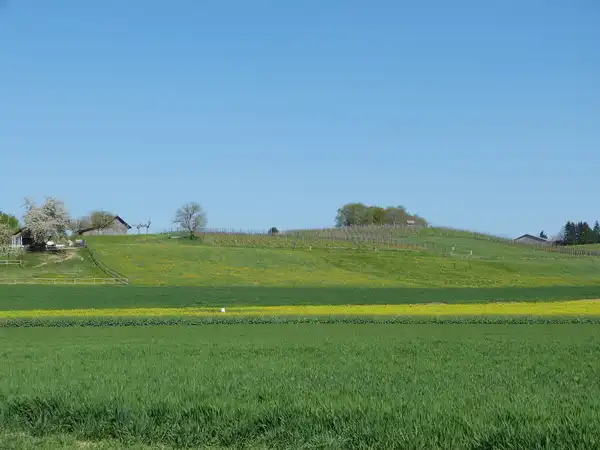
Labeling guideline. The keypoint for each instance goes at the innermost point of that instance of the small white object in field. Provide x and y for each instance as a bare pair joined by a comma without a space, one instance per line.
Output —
222,309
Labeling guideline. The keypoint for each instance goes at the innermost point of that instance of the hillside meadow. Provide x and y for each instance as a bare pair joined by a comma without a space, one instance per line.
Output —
305,386
157,260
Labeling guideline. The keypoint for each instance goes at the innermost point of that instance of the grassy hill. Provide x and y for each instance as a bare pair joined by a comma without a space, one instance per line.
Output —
437,258
67,264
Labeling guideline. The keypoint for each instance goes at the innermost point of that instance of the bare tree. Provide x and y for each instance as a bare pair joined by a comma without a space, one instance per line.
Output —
190,217
147,225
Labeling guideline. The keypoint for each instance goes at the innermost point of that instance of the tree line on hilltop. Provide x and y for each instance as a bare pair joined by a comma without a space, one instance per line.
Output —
359,214
579,233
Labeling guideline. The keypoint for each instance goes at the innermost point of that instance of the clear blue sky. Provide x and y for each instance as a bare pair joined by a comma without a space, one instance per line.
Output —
479,115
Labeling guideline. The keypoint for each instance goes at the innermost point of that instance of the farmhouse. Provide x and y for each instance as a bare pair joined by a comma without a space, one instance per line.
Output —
530,239
21,238
117,226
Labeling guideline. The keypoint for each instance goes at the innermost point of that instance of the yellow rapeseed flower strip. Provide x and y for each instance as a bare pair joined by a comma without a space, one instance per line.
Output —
557,309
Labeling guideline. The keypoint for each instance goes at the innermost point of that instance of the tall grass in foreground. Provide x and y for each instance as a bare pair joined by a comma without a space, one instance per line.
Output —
307,386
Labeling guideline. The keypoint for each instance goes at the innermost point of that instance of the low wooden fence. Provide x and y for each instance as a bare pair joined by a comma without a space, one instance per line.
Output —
13,262
64,281
379,236
107,270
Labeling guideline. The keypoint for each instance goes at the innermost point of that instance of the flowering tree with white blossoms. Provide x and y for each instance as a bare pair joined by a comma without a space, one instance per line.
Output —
5,234
49,221
10,252
6,250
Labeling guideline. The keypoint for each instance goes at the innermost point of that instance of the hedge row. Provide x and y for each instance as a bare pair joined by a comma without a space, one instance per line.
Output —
150,321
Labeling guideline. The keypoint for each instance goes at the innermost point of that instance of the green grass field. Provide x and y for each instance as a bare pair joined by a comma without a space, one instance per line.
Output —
156,260
305,386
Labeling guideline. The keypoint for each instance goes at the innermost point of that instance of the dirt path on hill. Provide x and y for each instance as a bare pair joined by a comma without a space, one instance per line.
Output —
68,256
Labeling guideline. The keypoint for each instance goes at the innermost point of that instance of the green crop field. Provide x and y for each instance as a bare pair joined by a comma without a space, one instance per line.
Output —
157,260
304,386
74,297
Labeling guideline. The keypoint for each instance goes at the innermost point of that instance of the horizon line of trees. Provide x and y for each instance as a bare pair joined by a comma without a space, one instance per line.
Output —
579,233
359,214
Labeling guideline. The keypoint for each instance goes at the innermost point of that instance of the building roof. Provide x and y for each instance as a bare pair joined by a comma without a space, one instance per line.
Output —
118,218
535,238
123,222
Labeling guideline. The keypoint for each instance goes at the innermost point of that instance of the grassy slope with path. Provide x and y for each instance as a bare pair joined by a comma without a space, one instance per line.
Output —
67,264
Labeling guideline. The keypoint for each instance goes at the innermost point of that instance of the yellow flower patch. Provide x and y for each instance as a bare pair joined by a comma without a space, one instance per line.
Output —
556,309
